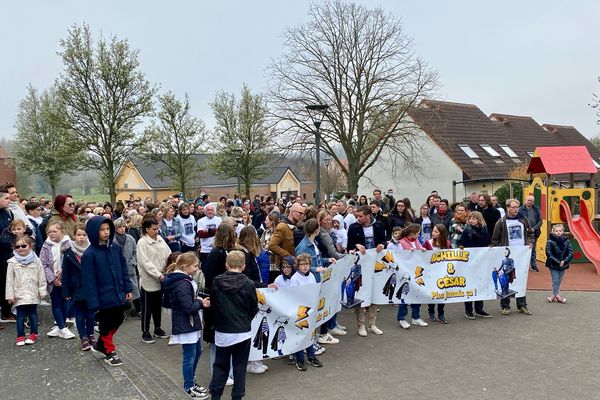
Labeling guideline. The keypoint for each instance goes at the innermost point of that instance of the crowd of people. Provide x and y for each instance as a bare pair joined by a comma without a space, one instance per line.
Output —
203,260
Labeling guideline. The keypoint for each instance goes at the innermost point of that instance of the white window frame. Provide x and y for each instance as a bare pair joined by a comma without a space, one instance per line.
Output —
509,152
469,151
490,150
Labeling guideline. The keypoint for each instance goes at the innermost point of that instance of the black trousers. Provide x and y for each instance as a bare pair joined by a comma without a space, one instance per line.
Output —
237,355
151,303
109,321
469,306
521,302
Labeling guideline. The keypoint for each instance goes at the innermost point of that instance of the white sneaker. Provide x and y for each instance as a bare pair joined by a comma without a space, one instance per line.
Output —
362,331
254,368
54,332
419,322
65,333
342,327
229,382
404,324
327,339
262,365
70,321
319,349
375,330
338,332
44,303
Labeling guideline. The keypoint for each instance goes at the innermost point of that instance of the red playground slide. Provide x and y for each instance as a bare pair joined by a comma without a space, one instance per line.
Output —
581,228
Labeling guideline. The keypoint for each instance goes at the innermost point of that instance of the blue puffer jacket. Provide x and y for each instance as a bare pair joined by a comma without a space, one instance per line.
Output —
104,269
184,304
72,284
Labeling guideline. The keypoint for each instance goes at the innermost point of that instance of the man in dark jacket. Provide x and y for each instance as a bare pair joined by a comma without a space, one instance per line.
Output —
106,284
490,214
443,215
533,214
513,230
235,304
366,234
6,217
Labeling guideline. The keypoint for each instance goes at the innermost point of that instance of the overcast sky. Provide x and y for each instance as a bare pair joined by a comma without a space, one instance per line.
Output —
535,58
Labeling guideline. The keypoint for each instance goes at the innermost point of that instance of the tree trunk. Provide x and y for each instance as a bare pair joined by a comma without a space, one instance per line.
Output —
352,181
112,191
53,189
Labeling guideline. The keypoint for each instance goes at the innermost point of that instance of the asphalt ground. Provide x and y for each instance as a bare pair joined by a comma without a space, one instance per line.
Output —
552,354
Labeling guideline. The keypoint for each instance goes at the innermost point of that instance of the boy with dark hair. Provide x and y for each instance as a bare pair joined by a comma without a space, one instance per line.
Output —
235,304
106,284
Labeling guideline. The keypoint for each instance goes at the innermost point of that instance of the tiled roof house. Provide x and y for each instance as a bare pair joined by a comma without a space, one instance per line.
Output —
462,144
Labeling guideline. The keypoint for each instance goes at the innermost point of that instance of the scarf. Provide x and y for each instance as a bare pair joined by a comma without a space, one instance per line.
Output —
78,250
120,239
25,260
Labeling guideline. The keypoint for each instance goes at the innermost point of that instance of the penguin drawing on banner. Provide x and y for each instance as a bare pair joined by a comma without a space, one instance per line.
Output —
279,336
261,338
404,288
389,264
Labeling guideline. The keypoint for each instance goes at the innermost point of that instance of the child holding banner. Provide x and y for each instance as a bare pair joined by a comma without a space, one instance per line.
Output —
475,235
439,240
303,276
409,241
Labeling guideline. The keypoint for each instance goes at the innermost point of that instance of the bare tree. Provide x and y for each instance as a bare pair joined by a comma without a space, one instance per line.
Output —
105,96
173,140
361,63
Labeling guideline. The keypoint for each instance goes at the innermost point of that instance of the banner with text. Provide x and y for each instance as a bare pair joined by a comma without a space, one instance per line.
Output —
287,317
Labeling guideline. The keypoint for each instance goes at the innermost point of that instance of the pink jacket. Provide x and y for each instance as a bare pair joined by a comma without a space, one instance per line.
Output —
408,244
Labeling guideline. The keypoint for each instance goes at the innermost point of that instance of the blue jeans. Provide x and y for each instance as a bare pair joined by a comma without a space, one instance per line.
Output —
23,312
60,306
191,355
310,352
557,276
84,319
403,311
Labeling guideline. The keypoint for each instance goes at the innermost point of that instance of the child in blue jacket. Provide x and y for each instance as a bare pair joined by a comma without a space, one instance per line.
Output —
106,284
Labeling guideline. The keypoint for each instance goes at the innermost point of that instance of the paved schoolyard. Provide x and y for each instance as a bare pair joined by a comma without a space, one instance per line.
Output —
552,354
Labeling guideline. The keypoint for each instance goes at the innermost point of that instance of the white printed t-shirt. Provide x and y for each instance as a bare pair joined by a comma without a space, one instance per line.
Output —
516,232
204,224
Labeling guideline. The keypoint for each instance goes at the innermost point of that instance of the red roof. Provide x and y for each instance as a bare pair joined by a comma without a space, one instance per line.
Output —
561,160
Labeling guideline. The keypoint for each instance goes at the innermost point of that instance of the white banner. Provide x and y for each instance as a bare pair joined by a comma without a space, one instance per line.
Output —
287,318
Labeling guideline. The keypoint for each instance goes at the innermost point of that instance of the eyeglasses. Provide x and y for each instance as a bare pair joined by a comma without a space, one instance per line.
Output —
87,211
69,204
21,246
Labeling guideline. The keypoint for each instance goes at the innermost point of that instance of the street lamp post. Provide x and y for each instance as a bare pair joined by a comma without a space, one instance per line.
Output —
326,161
238,153
317,114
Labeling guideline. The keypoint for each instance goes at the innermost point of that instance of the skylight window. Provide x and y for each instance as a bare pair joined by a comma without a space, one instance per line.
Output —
530,153
490,150
596,164
509,152
468,151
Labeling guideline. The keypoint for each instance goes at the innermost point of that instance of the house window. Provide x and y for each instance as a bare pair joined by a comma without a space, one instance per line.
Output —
490,150
596,164
509,152
530,154
126,185
468,151
304,196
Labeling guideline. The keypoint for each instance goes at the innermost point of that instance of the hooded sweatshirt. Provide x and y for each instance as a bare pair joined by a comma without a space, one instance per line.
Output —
103,269
234,301
185,307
